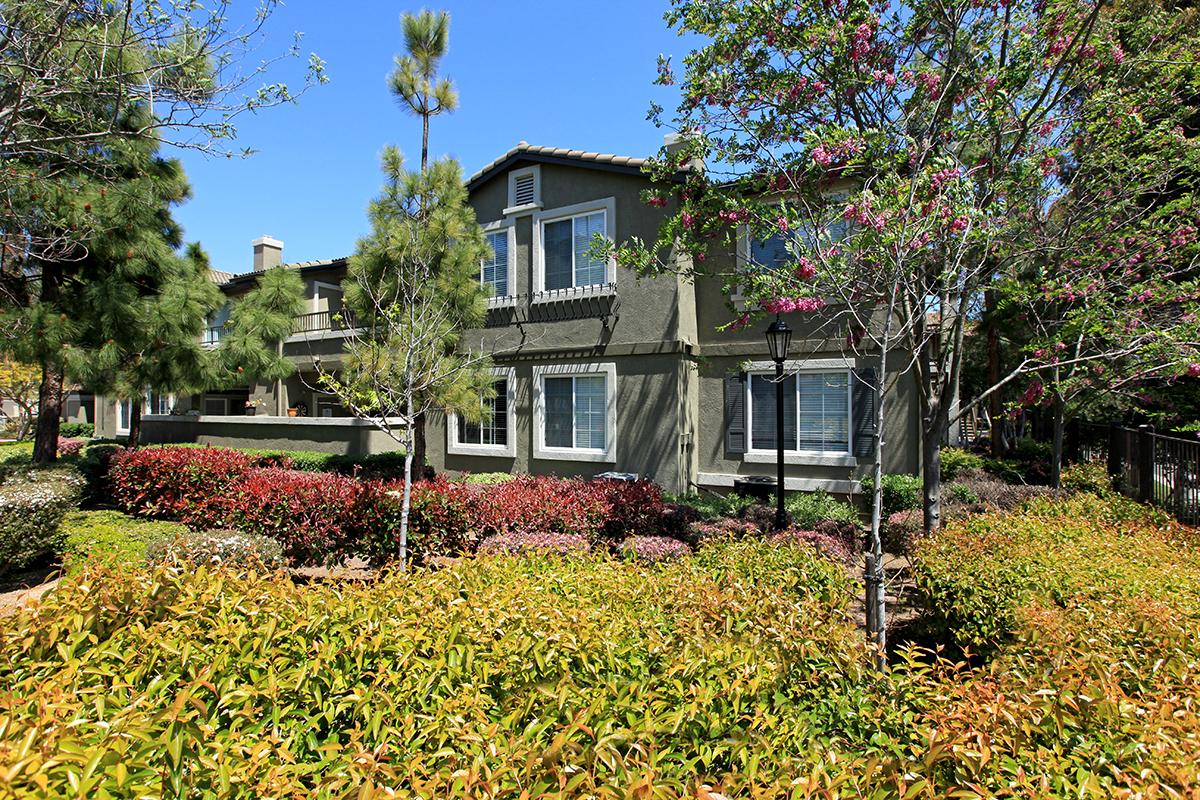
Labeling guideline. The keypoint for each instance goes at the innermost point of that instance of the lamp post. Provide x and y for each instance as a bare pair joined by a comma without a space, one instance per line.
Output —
779,336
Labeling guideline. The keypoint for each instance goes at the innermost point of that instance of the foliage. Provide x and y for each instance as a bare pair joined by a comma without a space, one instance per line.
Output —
19,383
717,530
956,459
984,489
68,448
901,530
1088,476
711,505
653,549
486,478
173,482
832,547
93,465
111,538
32,504
77,430
519,543
258,322
217,547
809,508
489,662
900,492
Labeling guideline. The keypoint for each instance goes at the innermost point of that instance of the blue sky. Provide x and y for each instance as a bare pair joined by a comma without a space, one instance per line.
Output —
551,73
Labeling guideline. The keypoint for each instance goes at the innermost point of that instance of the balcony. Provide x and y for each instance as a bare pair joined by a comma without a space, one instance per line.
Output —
212,336
322,323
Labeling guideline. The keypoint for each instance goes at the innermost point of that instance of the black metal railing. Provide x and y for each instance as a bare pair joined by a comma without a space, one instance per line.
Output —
1163,470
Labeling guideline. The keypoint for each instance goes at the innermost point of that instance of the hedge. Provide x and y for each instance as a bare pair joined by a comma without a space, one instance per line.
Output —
112,538
32,504
495,677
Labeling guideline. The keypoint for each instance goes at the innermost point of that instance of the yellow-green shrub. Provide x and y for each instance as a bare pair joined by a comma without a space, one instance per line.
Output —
572,678
111,537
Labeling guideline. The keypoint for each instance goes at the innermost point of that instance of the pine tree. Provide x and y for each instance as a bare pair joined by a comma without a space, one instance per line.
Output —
252,347
415,80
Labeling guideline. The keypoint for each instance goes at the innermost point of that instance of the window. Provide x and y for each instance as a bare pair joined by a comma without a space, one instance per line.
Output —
575,411
496,272
816,412
524,190
495,435
216,406
156,403
564,239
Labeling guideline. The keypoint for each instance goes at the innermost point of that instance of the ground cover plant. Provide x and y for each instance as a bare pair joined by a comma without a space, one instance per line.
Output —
112,538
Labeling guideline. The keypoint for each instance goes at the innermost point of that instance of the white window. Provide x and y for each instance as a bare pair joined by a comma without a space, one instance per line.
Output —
575,412
152,403
564,239
496,273
816,413
124,414
495,434
524,190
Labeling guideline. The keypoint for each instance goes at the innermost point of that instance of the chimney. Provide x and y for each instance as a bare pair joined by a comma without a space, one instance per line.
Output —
674,142
268,253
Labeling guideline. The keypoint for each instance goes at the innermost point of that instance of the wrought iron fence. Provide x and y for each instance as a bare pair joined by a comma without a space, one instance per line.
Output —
1160,469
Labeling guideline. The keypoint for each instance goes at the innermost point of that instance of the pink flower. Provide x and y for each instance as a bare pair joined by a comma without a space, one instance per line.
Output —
687,219
1118,54
818,87
1193,370
782,224
959,225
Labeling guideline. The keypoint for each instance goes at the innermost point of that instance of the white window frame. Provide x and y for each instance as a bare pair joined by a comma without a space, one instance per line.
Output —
510,226
512,207
145,413
315,294
833,458
509,450
743,250
540,449
608,205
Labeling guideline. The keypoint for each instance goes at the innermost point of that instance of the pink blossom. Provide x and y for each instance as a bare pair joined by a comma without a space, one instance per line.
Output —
959,225
943,177
806,269
1118,54
782,224
687,219
1193,370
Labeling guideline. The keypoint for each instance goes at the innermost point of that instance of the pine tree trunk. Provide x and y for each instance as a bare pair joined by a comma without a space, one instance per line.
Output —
135,423
425,143
45,444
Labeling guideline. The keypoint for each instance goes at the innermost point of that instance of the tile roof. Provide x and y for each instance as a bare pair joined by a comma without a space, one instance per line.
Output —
524,148
219,277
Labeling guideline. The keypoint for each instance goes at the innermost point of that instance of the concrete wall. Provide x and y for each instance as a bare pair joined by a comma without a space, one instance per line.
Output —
341,436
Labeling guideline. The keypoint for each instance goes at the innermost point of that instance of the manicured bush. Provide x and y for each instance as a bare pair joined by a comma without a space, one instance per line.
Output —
111,537
314,517
900,492
543,505
174,482
517,543
32,504
69,448
956,459
217,547
77,430
566,678
632,508
831,547
1087,608
486,478
1087,476
653,549
720,529
93,464
809,508
711,505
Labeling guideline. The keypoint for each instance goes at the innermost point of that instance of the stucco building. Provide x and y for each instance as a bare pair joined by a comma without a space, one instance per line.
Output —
597,370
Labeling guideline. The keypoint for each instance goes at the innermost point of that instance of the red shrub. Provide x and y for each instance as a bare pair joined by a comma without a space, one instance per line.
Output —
523,544
653,549
314,516
542,505
172,482
69,447
831,547
443,519
635,508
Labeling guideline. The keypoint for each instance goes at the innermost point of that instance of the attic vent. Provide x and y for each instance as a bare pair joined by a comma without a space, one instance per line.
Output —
523,190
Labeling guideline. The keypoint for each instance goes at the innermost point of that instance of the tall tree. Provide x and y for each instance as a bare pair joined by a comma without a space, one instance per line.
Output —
929,128
415,81
259,322
413,287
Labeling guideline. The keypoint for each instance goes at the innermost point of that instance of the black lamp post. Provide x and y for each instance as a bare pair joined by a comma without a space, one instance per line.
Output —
779,336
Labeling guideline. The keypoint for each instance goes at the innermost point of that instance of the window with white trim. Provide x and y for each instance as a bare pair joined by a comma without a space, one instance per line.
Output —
564,240
575,412
494,270
816,411
152,403
492,428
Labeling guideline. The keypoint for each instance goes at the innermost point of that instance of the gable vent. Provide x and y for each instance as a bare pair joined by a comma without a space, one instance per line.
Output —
523,190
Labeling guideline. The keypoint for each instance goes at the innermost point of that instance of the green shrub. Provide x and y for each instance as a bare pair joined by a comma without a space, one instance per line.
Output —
15,457
213,548
1090,476
93,465
963,493
900,492
956,459
809,508
1006,469
111,537
77,430
718,669
711,505
32,504
486,478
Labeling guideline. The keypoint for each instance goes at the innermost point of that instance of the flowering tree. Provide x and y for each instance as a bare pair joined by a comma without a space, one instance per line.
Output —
897,147
19,385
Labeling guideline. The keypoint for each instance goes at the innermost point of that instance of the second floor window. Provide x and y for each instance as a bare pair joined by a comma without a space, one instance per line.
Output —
494,271
566,246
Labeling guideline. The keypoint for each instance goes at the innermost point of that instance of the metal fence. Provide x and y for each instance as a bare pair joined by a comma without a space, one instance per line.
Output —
1152,467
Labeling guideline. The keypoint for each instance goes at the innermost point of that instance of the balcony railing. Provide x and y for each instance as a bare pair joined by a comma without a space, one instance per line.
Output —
213,335
323,322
